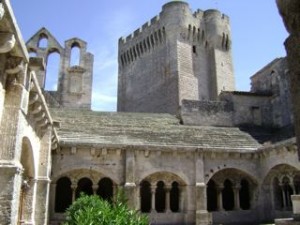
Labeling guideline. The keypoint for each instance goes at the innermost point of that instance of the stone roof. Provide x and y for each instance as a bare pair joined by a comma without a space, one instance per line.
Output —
111,129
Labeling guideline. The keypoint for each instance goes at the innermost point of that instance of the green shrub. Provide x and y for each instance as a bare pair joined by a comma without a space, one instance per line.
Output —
92,210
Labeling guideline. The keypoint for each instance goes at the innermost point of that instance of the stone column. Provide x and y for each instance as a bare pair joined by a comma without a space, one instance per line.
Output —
220,188
236,190
168,190
130,186
283,196
153,190
73,187
181,198
95,188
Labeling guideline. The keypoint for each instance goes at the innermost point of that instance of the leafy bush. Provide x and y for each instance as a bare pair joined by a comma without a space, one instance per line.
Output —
92,210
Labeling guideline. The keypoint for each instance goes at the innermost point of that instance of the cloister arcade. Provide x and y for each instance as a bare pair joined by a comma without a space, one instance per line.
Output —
229,190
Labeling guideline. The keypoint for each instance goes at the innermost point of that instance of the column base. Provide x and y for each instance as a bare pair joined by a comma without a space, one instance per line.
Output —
203,218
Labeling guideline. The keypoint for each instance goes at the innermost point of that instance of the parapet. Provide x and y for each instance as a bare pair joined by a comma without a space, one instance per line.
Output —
213,13
173,4
137,32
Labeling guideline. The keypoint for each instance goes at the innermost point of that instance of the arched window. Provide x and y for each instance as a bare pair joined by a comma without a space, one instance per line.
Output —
160,197
245,195
228,196
43,41
63,195
105,190
297,184
145,192
174,197
85,186
75,55
52,71
32,52
277,193
287,192
211,192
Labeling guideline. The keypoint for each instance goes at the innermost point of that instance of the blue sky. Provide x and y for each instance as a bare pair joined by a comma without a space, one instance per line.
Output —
257,33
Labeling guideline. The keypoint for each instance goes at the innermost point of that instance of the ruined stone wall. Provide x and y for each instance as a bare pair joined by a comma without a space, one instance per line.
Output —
74,82
250,109
274,79
207,113
177,55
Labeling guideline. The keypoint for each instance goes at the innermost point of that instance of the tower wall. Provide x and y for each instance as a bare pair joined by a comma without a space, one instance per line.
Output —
218,36
191,59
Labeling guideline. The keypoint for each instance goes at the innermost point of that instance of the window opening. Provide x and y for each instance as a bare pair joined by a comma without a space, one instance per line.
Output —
75,55
160,197
63,195
145,192
105,189
52,72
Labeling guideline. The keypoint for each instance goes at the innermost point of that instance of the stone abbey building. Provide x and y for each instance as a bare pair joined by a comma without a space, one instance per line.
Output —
184,145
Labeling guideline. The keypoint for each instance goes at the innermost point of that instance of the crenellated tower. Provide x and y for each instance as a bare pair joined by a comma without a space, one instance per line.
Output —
74,81
177,55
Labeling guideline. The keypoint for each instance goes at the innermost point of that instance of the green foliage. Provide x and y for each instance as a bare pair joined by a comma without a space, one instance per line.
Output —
92,210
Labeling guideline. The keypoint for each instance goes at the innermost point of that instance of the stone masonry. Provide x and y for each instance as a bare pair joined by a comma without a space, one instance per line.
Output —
208,155
177,55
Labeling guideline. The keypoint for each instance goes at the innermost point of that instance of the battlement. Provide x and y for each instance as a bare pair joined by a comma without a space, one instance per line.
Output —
145,45
140,30
216,14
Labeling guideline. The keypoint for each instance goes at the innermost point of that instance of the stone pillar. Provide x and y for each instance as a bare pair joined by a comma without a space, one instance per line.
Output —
43,180
15,98
153,190
138,200
289,10
203,217
10,183
181,199
27,201
52,199
168,190
42,200
95,189
220,188
115,192
73,187
130,186
283,196
236,190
